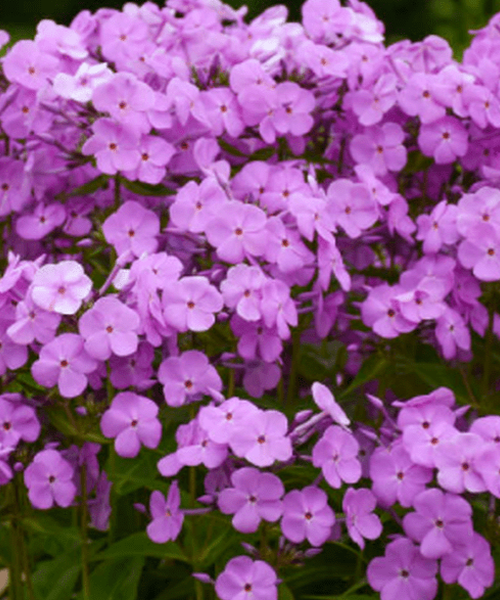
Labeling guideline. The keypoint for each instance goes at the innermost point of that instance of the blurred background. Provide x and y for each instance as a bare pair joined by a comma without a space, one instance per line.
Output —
413,19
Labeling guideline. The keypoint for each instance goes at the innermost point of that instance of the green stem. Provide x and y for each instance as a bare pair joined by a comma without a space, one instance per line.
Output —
292,378
117,192
230,384
488,354
84,534
16,591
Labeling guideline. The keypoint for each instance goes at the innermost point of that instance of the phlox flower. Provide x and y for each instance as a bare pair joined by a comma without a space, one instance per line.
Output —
109,327
441,522
27,65
456,462
187,377
403,573
222,421
471,565
131,420
64,362
254,496
60,287
132,227
190,304
361,523
17,422
336,454
167,518
238,231
381,311
80,86
445,140
396,478
245,579
49,479
306,515
263,439
381,148
114,145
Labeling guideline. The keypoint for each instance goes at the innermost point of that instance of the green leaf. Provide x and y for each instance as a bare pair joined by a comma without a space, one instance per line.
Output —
100,182
284,592
184,589
129,475
46,525
437,375
146,189
231,149
370,370
138,544
116,579
56,579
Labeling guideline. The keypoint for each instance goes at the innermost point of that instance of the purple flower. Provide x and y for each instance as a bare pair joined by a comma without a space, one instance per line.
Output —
336,455
221,422
64,362
131,419
188,377
114,145
351,206
28,65
326,402
245,579
126,99
242,290
395,476
441,523
445,140
132,227
361,523
381,147
306,515
456,460
17,421
403,573
263,439
109,327
49,479
238,231
60,287
190,304
167,518
32,323
471,565
254,496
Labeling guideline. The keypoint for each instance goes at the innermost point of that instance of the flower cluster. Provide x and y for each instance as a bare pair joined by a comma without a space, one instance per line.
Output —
192,203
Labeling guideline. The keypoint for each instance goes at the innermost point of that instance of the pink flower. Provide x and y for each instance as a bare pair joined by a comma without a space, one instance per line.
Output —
167,518
64,362
358,506
403,573
60,287
187,377
263,439
132,227
245,579
336,454
306,515
49,480
131,419
109,327
190,304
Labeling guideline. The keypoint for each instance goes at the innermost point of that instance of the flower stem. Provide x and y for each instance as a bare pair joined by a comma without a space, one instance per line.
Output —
84,534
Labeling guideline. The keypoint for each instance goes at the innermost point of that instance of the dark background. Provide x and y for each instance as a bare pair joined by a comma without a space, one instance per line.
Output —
413,19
